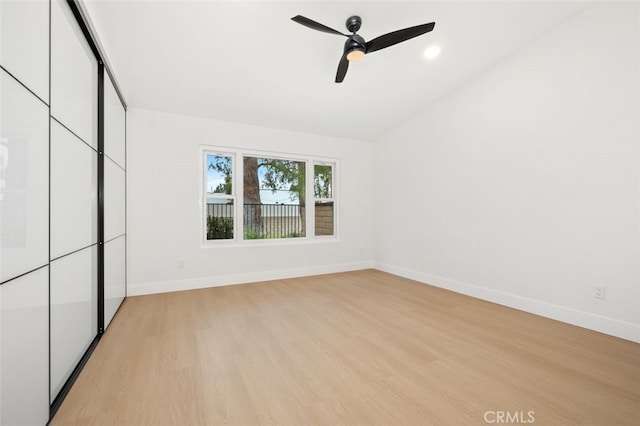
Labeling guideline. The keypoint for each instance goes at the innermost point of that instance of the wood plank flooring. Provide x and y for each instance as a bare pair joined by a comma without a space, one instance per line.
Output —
357,348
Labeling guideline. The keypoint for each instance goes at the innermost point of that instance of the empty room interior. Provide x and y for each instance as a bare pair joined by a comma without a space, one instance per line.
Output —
319,213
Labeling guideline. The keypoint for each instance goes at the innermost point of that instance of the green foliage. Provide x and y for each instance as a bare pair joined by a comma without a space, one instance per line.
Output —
279,175
257,234
322,181
219,228
253,234
285,175
222,165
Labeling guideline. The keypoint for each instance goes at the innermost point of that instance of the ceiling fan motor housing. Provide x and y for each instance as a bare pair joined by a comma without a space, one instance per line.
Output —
353,23
354,42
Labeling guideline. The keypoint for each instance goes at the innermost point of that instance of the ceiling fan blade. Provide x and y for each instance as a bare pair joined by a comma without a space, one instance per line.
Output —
315,25
343,66
399,36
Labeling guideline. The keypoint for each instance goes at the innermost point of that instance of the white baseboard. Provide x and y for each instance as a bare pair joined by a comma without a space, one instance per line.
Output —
138,289
599,323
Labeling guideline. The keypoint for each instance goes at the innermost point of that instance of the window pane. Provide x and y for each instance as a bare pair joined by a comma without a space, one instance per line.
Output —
219,174
274,198
323,181
220,208
324,218
220,213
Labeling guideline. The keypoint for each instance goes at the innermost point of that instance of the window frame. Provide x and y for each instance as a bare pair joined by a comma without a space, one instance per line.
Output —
331,199
204,195
238,155
278,157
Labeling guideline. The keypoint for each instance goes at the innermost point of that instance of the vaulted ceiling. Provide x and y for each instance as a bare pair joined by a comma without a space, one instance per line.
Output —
247,62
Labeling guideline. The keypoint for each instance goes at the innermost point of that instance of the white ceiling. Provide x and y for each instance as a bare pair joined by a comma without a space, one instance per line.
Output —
248,62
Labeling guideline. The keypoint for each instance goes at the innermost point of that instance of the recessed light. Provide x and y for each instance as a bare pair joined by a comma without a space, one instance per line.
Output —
432,52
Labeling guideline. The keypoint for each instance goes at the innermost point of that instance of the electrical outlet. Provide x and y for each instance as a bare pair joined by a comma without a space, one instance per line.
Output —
180,264
599,292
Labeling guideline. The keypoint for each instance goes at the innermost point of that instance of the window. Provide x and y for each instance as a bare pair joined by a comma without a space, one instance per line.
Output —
324,201
219,196
274,196
272,202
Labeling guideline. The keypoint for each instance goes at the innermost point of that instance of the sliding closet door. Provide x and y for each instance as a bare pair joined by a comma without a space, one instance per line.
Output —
74,195
114,201
24,212
62,204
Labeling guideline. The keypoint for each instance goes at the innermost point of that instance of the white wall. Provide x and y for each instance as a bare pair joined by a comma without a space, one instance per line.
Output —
522,186
163,214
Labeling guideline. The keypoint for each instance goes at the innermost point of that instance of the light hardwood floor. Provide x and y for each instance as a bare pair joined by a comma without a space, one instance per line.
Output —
358,348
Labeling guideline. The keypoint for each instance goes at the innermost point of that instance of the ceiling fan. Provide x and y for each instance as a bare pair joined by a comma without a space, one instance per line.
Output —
356,47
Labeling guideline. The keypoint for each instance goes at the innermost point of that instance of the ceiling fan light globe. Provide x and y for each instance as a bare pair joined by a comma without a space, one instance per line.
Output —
355,55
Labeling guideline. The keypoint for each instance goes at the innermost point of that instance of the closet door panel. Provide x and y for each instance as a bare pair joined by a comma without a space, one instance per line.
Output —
114,200
74,76
24,349
74,312
24,176
114,277
24,43
73,192
114,125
